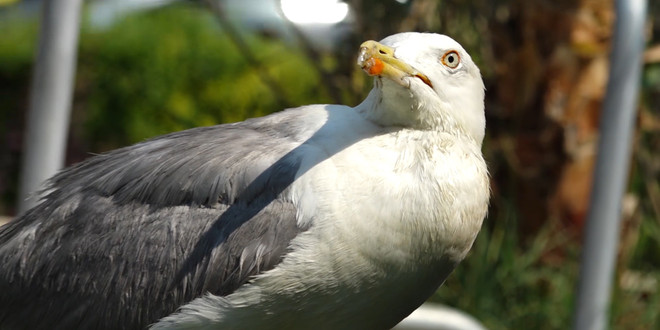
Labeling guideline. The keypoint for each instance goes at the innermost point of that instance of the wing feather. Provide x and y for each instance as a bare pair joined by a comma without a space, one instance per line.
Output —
126,237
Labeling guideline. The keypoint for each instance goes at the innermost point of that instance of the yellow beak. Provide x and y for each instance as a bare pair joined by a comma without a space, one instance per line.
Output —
377,59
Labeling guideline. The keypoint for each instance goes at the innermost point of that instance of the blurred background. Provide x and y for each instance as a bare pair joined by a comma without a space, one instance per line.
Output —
149,67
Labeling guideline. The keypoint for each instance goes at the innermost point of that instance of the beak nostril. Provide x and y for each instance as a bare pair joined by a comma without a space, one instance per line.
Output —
382,51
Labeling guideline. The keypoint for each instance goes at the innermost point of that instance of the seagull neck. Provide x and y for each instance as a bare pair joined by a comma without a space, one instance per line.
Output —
395,109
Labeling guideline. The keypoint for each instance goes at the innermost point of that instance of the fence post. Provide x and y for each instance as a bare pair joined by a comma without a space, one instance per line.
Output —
612,164
44,145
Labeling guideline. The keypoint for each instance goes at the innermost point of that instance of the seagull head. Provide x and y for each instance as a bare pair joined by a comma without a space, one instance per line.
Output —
423,81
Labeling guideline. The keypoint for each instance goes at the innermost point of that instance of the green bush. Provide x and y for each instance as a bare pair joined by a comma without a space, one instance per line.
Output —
173,68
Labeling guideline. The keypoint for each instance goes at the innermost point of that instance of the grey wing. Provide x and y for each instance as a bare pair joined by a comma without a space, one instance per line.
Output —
124,238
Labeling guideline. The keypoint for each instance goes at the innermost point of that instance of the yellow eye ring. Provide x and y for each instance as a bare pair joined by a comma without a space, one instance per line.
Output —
451,59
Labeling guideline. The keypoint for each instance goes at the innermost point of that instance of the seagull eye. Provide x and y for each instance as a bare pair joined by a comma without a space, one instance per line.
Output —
451,59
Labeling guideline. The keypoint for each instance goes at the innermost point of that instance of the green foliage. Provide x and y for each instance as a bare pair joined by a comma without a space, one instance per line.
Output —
172,69
508,286
17,47
508,283
647,253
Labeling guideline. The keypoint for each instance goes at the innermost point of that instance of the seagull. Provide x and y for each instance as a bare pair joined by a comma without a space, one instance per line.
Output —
322,216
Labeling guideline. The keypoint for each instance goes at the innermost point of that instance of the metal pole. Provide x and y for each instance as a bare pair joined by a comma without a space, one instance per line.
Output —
614,150
50,97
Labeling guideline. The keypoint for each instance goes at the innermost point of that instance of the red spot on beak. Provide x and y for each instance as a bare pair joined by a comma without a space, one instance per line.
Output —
373,66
